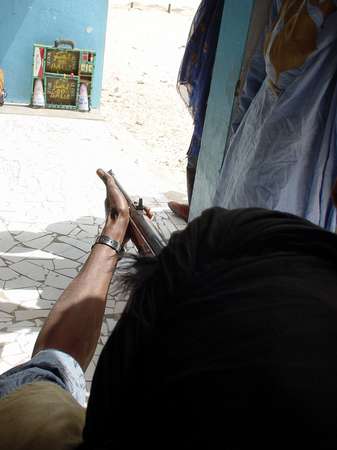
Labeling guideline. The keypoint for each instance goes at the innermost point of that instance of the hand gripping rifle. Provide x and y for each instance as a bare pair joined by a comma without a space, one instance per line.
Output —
145,236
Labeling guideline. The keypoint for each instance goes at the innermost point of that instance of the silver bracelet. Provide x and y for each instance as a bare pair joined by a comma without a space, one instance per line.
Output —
105,240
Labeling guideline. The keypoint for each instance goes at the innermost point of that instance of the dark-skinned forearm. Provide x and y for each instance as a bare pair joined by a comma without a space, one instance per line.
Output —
82,304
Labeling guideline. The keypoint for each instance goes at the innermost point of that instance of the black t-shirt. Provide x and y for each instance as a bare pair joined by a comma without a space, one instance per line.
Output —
241,349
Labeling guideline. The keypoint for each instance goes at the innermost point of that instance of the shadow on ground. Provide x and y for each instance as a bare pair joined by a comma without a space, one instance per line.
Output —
35,268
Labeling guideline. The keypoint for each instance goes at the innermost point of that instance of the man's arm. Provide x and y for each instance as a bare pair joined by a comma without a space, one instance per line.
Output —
74,324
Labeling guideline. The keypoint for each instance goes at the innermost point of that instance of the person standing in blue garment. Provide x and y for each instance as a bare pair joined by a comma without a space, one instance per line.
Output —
194,81
282,154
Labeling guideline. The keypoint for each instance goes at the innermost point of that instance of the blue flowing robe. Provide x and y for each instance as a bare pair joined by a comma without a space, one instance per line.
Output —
282,154
195,73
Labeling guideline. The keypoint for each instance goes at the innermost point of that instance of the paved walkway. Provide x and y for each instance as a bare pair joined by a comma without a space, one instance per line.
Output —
51,208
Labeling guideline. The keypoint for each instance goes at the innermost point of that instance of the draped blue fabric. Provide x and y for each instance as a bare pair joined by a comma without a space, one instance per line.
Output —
283,150
196,68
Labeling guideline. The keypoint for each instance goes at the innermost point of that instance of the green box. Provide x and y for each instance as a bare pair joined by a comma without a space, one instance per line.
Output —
62,71
61,91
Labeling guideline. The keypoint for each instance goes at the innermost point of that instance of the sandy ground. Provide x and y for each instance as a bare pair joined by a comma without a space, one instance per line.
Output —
144,49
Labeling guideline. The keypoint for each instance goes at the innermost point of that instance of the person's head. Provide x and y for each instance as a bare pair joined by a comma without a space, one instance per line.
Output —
214,346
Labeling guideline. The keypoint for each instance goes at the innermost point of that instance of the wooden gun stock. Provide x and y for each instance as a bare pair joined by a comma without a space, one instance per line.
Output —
145,236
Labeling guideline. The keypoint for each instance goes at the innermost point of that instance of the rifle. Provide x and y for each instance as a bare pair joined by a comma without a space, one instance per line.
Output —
145,236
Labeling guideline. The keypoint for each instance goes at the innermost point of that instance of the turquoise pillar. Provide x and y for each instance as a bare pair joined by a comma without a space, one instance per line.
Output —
226,73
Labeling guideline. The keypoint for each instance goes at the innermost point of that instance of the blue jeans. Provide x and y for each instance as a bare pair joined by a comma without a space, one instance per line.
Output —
48,365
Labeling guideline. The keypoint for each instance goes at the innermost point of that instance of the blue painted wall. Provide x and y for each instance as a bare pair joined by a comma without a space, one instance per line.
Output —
25,22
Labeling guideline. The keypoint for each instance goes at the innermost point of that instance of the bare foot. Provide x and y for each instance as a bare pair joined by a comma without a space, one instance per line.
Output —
180,210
